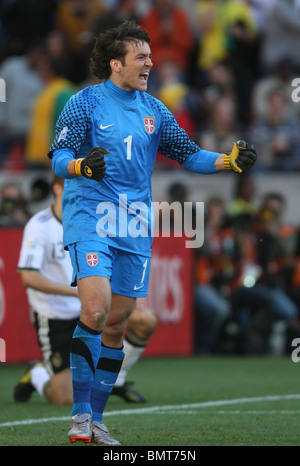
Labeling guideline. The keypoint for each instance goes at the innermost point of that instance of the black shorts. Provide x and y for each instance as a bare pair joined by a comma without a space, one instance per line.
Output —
54,336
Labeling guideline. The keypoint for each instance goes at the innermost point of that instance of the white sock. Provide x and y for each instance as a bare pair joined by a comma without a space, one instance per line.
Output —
38,377
132,355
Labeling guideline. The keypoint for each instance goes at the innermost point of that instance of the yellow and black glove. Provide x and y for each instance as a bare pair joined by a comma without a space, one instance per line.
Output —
93,166
241,158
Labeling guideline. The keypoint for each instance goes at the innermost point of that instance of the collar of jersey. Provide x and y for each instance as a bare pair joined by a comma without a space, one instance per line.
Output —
118,93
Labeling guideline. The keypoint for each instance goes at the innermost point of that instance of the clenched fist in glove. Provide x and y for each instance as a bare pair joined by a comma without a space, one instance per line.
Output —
93,165
241,158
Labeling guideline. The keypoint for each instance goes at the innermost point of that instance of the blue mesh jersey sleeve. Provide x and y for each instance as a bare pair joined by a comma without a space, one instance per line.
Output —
74,121
174,141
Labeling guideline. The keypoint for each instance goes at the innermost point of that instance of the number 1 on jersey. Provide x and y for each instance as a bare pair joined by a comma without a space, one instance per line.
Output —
128,142
144,270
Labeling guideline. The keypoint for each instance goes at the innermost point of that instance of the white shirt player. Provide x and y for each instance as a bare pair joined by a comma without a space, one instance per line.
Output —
42,250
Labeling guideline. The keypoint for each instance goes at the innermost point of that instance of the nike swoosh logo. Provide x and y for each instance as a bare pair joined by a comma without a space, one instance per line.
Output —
137,287
107,126
108,384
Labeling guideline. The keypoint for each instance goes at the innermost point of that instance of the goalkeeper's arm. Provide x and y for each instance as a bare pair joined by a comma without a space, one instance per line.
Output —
241,158
92,166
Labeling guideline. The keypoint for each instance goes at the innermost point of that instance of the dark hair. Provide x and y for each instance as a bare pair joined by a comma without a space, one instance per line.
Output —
274,195
112,43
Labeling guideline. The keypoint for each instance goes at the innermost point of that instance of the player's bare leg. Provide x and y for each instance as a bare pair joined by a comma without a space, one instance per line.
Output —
117,320
141,326
95,297
58,390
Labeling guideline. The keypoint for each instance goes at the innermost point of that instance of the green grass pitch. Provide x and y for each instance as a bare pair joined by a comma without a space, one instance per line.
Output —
192,401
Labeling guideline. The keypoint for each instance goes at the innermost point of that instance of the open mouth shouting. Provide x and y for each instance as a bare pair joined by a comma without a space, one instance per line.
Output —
144,76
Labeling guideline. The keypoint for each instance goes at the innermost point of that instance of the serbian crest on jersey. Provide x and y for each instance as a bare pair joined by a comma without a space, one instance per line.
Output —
92,258
149,124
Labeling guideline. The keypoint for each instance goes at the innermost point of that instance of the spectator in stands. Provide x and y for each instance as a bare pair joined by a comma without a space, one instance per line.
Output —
294,284
178,194
227,32
277,135
76,18
22,84
214,267
57,47
260,10
220,23
281,39
114,16
13,209
46,109
170,30
220,84
176,95
20,32
260,297
276,201
181,100
243,197
290,242
222,125
278,79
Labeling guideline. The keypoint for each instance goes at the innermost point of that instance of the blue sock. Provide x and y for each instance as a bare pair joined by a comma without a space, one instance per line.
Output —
84,355
106,374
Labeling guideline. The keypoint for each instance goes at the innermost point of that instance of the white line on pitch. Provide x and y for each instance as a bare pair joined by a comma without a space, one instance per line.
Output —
154,409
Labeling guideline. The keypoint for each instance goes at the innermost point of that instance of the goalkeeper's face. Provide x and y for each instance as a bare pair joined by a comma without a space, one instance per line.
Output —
134,73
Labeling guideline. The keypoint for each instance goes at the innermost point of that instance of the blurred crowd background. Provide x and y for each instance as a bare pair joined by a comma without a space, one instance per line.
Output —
228,70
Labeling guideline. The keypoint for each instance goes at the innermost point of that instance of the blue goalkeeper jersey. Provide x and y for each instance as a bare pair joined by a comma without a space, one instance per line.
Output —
133,126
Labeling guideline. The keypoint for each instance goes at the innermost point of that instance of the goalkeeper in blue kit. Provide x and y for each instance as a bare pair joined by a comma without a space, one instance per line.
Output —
107,138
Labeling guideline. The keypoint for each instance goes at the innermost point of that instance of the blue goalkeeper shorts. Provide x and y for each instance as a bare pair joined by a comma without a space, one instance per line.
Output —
128,272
